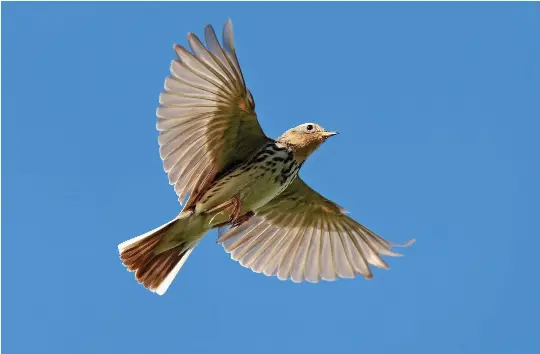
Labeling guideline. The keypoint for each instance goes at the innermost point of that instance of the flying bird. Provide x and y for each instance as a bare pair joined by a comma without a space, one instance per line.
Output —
243,183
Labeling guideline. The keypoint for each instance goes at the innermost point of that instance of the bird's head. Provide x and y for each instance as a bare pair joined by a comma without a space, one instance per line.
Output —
304,139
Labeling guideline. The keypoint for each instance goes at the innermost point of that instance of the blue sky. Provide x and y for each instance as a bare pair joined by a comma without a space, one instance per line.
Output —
437,105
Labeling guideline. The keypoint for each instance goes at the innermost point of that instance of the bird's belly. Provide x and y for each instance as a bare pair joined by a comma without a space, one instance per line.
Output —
254,189
263,189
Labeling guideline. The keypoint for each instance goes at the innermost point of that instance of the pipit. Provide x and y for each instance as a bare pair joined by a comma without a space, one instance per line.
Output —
243,183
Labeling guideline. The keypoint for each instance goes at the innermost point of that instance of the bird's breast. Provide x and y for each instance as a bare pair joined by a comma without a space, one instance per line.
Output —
272,174
268,173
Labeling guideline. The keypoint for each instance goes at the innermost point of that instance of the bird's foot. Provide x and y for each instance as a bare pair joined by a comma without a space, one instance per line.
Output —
225,227
242,219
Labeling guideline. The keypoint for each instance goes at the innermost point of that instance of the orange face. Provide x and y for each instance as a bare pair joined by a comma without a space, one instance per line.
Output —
305,139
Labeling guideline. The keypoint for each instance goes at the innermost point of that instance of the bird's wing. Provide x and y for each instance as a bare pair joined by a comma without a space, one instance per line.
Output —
206,116
303,236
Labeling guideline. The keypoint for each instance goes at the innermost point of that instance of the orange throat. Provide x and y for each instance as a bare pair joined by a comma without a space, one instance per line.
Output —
302,145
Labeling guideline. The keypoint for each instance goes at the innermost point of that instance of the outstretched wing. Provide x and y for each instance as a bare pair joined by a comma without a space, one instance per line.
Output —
303,236
206,117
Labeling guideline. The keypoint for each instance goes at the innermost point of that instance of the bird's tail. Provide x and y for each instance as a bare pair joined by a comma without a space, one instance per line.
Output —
157,256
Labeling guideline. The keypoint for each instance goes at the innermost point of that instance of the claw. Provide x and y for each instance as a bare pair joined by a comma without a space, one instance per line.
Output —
242,219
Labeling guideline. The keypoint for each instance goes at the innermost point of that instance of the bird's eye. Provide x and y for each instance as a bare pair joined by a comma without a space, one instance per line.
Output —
309,127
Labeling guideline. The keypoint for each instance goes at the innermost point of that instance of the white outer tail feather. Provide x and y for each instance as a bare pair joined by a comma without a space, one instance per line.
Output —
138,256
162,288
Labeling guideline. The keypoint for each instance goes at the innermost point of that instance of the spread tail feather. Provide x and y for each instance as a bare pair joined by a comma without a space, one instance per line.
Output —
155,269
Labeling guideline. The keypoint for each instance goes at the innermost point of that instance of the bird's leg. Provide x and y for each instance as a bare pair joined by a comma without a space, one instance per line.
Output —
238,221
236,205
221,207
235,218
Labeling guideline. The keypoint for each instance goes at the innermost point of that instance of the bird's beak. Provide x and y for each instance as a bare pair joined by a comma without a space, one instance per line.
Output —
328,134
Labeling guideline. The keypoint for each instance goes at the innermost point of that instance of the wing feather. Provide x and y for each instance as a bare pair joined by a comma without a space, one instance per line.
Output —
355,252
328,271
283,267
291,246
206,115
260,247
312,266
217,52
343,263
300,255
302,236
209,60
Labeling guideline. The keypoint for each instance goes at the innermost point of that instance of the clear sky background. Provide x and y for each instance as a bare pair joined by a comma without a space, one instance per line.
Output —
437,105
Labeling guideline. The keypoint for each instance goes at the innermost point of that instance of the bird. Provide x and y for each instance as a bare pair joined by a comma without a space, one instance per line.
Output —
231,177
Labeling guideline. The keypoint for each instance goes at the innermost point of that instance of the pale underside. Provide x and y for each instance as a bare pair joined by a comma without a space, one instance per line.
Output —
249,182
208,127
